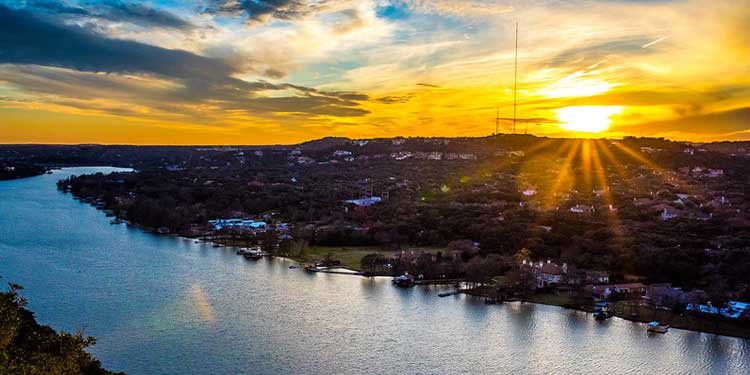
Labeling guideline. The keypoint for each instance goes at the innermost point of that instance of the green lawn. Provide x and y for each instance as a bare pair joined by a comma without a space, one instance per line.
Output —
551,299
350,256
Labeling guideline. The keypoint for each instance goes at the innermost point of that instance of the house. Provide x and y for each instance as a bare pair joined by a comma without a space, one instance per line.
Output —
364,202
582,208
732,310
640,202
594,277
605,291
670,213
549,274
401,155
665,294
220,224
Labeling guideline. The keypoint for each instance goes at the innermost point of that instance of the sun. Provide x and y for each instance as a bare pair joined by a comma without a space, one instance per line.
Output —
587,119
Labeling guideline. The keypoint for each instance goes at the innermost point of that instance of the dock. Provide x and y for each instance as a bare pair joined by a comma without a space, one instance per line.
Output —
334,270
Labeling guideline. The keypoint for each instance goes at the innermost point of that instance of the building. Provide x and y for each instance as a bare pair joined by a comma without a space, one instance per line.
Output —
365,202
549,274
606,291
732,310
220,224
595,277
582,209
529,192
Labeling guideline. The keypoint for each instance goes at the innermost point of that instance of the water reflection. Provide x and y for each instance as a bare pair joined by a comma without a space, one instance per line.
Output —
199,300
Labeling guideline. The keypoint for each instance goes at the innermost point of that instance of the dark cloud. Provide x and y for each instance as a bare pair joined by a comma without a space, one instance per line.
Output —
138,13
29,41
25,39
56,7
394,99
112,10
717,123
347,95
262,10
274,73
428,85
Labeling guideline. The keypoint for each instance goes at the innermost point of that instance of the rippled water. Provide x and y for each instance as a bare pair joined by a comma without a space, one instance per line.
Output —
162,305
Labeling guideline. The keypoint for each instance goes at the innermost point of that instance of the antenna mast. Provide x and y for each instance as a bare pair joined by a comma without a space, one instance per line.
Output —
497,121
515,81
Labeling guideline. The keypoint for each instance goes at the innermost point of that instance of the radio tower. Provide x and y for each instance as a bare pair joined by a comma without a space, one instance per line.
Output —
497,121
515,81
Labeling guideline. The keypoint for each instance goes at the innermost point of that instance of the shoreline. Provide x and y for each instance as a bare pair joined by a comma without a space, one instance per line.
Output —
682,320
680,323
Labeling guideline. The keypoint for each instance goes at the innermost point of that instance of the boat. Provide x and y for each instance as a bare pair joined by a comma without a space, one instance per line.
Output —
293,267
253,254
446,294
602,311
657,327
247,251
404,281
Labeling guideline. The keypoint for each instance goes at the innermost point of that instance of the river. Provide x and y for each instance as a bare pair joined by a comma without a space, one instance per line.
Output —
166,305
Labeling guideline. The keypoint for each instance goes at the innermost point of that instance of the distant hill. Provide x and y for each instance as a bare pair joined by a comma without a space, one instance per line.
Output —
323,143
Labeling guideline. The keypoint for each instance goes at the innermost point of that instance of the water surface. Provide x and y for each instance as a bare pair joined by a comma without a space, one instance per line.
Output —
165,305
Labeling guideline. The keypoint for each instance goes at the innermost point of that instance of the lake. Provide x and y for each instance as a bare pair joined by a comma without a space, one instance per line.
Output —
166,305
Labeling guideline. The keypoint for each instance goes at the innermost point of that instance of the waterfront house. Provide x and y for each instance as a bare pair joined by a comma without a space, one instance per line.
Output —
364,202
549,274
732,310
582,208
595,277
626,289
220,224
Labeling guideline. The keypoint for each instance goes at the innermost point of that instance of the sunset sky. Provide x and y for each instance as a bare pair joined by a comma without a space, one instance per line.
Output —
285,71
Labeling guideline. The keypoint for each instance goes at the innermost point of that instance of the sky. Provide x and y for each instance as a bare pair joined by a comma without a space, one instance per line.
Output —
287,71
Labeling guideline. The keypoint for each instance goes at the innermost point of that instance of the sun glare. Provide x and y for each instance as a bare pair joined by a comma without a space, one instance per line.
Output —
588,119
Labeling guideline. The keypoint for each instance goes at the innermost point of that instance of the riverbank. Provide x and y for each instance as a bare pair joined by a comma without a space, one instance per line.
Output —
641,314
17,171
350,257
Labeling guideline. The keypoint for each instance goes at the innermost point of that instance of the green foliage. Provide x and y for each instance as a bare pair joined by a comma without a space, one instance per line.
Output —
29,348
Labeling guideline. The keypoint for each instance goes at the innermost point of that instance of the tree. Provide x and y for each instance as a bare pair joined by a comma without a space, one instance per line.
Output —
29,348
521,255
270,241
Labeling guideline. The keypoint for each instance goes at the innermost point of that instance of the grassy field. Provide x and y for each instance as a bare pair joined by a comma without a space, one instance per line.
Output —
551,299
350,256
